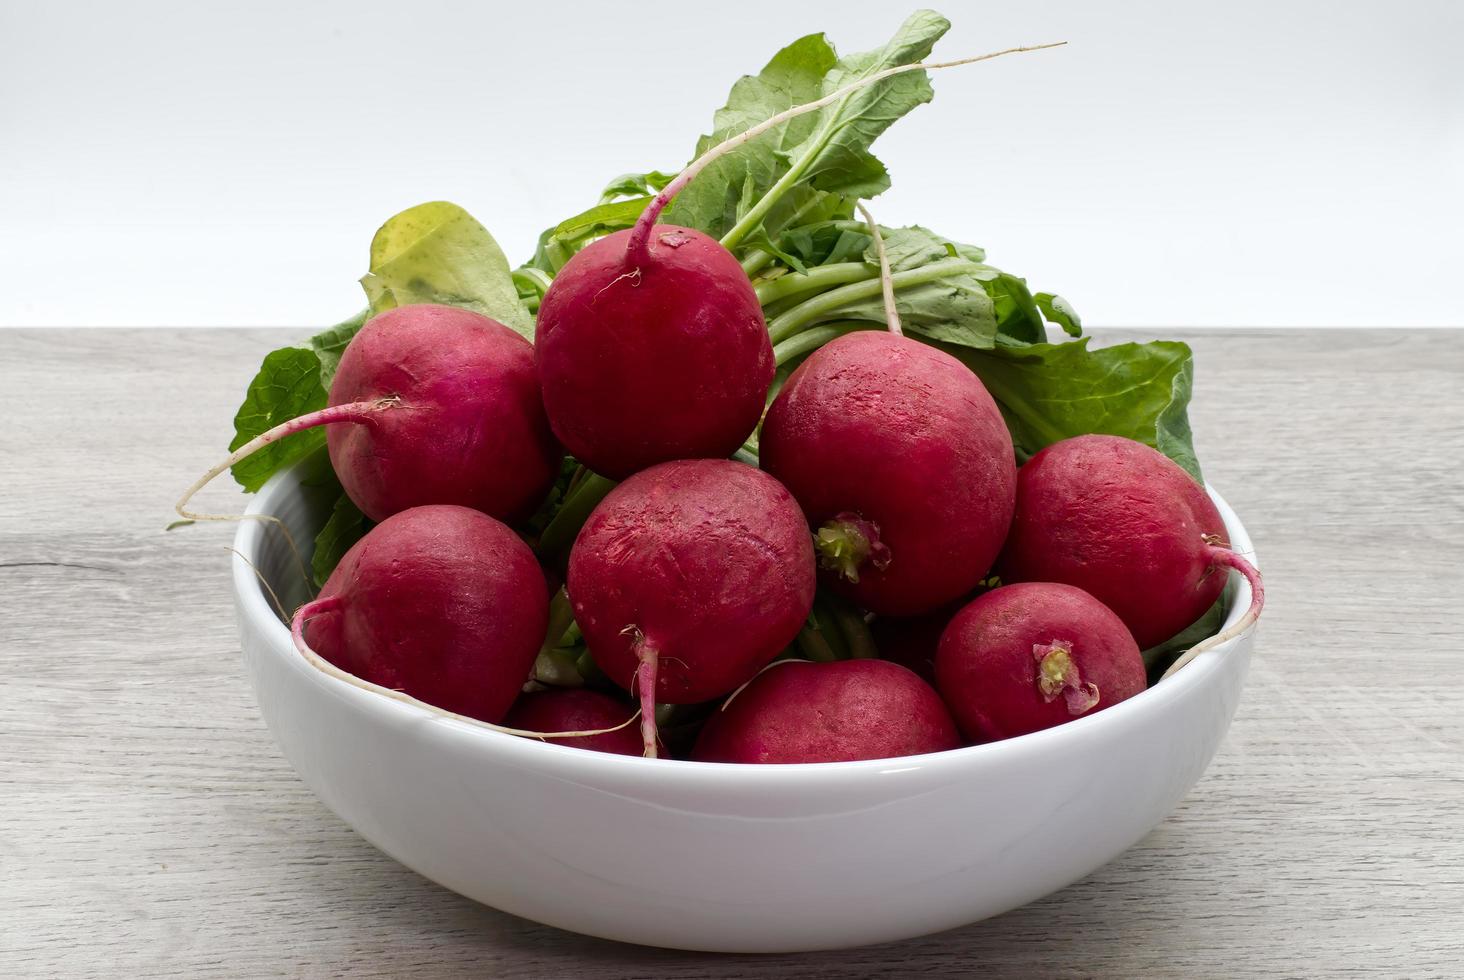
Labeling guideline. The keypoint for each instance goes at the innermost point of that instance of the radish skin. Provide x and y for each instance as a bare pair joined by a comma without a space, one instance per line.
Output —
1126,524
797,711
442,603
557,714
688,578
1030,656
901,460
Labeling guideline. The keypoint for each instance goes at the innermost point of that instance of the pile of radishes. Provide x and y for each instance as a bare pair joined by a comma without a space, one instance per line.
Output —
961,599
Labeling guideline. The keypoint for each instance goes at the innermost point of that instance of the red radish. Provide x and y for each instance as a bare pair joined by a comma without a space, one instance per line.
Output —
576,709
901,459
441,603
652,355
443,408
798,711
1025,657
688,578
651,344
1126,524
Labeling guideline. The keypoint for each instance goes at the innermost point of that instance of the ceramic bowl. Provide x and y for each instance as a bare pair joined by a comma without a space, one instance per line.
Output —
723,857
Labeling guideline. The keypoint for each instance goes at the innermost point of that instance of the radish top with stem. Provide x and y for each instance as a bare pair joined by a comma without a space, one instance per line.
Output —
638,246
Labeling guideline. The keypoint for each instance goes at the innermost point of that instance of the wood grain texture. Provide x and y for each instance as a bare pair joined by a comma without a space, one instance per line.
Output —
149,827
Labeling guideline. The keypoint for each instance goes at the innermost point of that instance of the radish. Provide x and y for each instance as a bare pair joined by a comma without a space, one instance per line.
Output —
650,348
1026,657
688,578
573,709
440,603
1126,524
798,711
430,405
650,342
901,459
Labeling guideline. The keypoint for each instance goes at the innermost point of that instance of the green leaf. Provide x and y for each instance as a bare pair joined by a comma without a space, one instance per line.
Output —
835,157
635,185
1058,311
914,246
287,385
1017,315
346,526
558,244
330,344
1050,392
438,253
794,76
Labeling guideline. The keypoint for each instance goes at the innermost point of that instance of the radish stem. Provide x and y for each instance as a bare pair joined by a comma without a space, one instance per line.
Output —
810,340
820,277
808,312
892,315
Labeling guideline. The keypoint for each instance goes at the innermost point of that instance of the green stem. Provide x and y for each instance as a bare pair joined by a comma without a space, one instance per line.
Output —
820,278
754,217
810,340
826,621
557,255
774,310
560,533
536,280
856,632
810,311
755,262
812,645
561,615
576,479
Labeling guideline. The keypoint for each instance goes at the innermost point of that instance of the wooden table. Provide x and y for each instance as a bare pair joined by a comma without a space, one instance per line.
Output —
149,827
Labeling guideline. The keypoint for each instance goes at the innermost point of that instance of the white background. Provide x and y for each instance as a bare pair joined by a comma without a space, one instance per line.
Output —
1179,164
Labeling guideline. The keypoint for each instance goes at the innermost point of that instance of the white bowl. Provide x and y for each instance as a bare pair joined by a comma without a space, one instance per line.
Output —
722,857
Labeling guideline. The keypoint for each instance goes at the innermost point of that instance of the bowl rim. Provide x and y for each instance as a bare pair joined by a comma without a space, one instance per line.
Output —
574,763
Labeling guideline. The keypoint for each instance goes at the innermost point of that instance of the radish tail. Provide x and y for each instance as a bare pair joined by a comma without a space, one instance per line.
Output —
329,604
350,412
1226,558
645,682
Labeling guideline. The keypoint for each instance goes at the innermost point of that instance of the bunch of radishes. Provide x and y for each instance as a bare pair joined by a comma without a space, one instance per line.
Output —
886,484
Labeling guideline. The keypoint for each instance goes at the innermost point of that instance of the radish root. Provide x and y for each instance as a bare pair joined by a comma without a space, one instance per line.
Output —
766,667
330,604
637,249
644,684
887,284
350,412
1226,558
274,596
